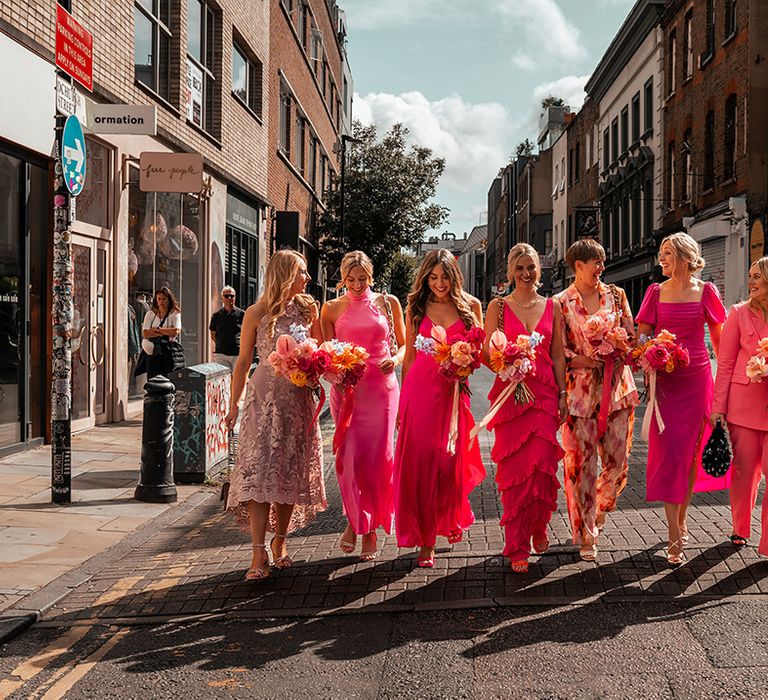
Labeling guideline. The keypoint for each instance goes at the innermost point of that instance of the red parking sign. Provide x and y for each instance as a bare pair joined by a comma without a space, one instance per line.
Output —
74,48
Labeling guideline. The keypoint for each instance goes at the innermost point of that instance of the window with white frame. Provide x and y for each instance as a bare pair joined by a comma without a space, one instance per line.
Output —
285,122
688,46
247,76
152,45
298,151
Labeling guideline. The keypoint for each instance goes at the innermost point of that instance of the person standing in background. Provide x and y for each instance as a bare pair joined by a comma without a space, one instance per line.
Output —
225,327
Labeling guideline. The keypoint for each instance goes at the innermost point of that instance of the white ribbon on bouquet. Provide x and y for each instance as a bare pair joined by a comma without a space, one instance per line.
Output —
653,408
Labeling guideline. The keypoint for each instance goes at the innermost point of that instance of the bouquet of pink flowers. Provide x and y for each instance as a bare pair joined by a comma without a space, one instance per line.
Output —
457,357
514,361
297,358
660,353
757,365
606,338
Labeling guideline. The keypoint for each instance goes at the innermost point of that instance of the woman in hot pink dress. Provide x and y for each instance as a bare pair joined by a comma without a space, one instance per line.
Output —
526,448
432,486
365,457
682,305
744,404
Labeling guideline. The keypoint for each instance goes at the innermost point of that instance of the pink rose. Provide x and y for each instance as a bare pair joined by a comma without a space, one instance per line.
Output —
681,356
657,356
476,335
461,353
322,361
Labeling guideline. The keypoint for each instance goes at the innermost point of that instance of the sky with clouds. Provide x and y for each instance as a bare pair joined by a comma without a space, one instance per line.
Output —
467,76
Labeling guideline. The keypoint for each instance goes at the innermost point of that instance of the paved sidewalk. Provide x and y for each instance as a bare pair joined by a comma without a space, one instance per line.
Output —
39,542
197,566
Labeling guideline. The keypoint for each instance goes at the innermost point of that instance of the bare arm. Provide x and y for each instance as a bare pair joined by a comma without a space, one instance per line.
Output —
477,309
328,320
251,321
558,360
715,332
410,351
388,364
316,330
491,325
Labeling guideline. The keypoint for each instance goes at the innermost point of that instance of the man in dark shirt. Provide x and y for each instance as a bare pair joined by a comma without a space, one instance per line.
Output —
225,327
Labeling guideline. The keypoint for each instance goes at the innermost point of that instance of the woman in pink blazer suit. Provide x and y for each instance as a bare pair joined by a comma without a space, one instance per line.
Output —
744,404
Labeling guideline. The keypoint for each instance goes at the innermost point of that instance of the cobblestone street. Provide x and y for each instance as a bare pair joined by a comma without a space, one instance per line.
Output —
197,565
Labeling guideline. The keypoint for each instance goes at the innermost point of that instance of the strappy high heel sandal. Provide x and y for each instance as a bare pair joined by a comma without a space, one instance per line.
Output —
280,563
684,537
345,545
675,559
371,554
260,572
455,537
541,545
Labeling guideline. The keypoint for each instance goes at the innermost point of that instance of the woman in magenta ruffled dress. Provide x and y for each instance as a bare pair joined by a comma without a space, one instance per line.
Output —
365,417
432,486
526,449
683,305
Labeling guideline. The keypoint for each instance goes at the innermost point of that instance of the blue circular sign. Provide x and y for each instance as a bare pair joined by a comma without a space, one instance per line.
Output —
73,155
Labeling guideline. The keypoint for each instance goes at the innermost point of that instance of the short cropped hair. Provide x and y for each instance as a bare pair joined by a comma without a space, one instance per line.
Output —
584,250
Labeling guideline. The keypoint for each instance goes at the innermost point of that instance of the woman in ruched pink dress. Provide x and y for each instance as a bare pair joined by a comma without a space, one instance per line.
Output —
432,486
526,449
365,455
682,305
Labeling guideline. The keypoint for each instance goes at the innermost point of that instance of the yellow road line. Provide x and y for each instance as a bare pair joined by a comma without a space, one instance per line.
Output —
40,661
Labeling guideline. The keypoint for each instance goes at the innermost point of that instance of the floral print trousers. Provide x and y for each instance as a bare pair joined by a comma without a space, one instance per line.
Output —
588,493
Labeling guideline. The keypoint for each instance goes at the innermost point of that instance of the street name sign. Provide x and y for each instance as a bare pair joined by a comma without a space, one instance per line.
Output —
73,155
170,172
69,100
74,48
123,119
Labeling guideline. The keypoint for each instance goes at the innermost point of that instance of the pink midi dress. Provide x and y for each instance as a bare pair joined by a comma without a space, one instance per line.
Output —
432,486
365,458
526,449
684,397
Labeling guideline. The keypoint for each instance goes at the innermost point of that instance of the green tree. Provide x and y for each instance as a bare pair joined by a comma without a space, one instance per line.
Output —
402,274
524,148
388,188
552,101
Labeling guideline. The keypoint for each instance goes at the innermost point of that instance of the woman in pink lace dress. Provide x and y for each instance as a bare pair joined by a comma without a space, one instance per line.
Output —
682,305
525,446
365,456
277,482
432,486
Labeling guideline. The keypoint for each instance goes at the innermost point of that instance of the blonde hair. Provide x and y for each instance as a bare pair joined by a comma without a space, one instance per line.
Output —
762,266
281,273
419,296
687,250
357,258
518,251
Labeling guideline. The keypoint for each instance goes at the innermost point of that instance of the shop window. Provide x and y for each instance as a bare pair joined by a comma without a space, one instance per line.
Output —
164,249
93,202
201,66
152,45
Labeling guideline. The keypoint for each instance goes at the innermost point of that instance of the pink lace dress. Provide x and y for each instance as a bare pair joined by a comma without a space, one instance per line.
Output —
526,448
280,458
366,455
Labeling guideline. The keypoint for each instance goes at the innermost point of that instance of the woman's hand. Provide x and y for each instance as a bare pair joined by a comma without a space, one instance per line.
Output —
387,365
562,406
584,362
717,417
231,419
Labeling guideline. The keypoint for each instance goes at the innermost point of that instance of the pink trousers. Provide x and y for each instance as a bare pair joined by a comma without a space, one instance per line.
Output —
750,462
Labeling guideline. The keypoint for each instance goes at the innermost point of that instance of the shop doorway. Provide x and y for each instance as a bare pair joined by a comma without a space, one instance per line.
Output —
90,332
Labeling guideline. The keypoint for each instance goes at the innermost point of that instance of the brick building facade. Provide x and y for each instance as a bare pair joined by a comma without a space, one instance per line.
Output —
715,107
308,84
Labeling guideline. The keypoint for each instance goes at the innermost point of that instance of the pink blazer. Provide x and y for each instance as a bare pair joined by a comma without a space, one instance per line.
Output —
743,402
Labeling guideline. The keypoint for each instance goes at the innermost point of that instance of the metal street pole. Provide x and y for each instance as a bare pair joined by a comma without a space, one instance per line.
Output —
341,190
61,358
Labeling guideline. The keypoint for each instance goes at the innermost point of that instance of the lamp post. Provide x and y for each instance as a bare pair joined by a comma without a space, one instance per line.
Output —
342,147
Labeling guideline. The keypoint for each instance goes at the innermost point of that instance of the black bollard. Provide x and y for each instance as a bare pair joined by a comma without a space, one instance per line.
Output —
156,481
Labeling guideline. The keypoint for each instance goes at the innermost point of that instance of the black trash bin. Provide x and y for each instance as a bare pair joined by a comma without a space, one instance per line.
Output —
200,435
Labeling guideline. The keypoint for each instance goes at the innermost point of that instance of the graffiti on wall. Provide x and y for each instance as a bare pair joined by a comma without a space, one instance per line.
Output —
216,432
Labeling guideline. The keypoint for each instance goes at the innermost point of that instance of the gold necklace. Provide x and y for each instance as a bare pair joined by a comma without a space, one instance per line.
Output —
523,306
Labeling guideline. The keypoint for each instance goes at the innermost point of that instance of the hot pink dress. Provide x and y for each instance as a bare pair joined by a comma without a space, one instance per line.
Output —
684,397
526,448
432,487
365,457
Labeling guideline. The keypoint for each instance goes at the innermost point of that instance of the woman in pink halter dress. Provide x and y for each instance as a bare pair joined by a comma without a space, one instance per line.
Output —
682,305
525,448
365,457
432,486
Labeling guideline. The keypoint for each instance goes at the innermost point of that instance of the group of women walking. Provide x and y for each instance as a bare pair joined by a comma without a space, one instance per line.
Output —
422,486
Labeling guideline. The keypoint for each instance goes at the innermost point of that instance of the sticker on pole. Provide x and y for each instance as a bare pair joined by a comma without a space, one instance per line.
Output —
73,155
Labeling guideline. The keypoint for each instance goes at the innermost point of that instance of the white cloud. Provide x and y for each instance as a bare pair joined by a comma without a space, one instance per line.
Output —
569,87
473,138
378,14
524,61
544,28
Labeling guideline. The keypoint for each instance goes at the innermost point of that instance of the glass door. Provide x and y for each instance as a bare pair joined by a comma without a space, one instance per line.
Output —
89,332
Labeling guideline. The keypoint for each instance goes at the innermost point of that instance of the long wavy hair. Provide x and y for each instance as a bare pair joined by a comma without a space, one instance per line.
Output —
284,266
420,292
762,266
173,302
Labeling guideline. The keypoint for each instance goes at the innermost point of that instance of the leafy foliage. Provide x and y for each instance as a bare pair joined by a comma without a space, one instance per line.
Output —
552,101
388,188
524,148
402,275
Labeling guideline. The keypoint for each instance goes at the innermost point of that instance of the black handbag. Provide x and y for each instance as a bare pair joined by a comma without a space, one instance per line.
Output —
141,364
717,455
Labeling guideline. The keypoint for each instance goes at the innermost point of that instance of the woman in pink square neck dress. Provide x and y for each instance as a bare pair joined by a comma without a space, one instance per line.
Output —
683,305
432,486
